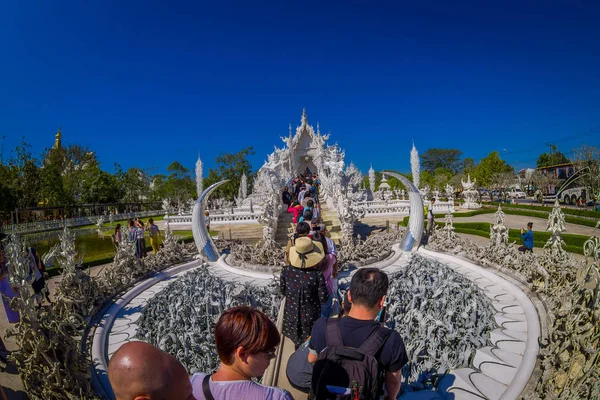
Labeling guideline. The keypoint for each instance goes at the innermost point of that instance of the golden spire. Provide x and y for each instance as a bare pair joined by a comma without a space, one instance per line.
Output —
58,136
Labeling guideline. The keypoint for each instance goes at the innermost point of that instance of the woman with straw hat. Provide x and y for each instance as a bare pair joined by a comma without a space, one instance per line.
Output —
303,285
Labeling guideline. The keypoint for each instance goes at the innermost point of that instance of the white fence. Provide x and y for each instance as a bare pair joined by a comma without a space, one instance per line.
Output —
401,207
240,215
41,226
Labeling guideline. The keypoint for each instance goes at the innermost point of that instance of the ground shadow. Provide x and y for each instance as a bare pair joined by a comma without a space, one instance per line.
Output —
364,230
130,310
15,395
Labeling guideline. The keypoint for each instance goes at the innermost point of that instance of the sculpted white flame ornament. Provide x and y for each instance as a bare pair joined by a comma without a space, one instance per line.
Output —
414,233
201,237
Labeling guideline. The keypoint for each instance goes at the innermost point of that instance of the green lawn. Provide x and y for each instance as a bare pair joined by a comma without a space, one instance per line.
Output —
574,243
99,258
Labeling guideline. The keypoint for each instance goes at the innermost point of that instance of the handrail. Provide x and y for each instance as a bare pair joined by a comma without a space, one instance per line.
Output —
270,378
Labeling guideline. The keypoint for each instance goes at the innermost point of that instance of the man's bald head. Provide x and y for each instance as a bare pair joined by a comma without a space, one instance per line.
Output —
140,371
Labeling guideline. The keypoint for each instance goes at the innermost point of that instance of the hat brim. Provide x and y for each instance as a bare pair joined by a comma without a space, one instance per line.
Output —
313,257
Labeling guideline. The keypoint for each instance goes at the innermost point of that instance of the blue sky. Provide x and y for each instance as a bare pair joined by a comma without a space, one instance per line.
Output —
147,83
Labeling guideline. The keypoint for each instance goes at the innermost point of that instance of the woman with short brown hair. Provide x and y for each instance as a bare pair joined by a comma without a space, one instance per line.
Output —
246,341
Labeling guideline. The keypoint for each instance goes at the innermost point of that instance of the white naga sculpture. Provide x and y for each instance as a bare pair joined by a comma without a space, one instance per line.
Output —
470,193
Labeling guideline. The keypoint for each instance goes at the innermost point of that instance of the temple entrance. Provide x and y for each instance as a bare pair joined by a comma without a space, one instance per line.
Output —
306,163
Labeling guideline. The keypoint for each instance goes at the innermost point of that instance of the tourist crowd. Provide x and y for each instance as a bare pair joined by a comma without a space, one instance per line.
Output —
342,348
136,235
351,353
353,357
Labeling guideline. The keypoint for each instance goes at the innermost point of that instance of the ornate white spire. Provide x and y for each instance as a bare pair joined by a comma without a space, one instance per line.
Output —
415,165
304,119
318,129
372,179
199,179
290,130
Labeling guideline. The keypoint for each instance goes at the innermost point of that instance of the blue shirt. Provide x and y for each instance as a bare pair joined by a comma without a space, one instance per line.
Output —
527,239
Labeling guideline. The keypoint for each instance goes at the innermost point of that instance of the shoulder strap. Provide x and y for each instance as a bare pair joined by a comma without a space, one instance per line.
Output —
375,341
333,334
206,388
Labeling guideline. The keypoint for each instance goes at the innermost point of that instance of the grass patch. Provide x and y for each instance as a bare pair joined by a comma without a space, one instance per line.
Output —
94,259
527,213
569,211
574,243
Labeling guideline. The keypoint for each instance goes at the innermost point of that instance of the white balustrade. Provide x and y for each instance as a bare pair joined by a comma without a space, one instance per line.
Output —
41,226
400,207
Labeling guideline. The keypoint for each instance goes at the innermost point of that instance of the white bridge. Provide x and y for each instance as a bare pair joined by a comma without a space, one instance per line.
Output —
245,215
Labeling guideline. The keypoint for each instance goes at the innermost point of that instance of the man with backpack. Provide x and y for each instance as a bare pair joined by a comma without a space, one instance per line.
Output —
355,355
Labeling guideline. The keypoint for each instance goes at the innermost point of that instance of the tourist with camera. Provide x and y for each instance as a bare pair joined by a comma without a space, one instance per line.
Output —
348,352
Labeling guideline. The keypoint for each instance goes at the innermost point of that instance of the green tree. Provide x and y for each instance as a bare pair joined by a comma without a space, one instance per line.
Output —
489,166
435,158
555,157
231,167
100,187
136,185
80,165
588,158
468,165
22,176
441,177
54,162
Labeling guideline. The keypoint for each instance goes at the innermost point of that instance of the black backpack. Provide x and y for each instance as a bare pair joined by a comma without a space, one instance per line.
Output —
348,373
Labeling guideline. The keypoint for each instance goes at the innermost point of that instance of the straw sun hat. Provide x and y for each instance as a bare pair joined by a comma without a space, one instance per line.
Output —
306,253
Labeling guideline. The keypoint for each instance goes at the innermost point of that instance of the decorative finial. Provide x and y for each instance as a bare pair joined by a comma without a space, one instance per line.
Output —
290,130
57,138
304,118
318,129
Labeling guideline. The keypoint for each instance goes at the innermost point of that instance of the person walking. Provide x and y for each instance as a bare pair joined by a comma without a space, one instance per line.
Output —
361,334
303,285
139,371
155,240
527,236
133,237
37,270
6,288
430,218
286,197
207,220
330,279
246,341
118,236
296,209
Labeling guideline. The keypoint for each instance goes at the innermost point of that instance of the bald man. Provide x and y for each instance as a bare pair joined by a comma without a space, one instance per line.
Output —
140,371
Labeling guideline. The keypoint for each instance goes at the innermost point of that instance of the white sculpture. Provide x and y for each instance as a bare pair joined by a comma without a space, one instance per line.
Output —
449,192
499,231
470,193
353,177
415,165
242,191
556,226
199,179
372,179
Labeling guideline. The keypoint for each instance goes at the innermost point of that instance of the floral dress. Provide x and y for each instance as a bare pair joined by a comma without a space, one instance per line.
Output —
304,290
